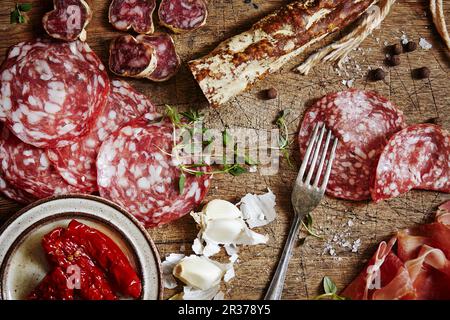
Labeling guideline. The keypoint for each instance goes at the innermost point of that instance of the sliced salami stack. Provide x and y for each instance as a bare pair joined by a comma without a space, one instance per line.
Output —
363,122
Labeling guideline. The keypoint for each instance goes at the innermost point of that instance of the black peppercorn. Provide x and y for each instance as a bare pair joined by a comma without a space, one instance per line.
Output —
271,93
393,60
377,74
421,73
410,46
396,49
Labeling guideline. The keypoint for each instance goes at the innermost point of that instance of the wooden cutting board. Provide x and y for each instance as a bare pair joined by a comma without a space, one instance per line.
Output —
419,99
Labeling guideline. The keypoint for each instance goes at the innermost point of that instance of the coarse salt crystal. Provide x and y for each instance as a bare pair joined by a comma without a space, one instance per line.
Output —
424,44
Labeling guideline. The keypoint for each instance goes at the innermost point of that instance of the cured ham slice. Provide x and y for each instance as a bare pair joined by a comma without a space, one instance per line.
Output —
362,121
76,163
417,157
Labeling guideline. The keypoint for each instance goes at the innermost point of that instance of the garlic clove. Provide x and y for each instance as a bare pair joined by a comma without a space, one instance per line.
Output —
221,209
199,272
224,231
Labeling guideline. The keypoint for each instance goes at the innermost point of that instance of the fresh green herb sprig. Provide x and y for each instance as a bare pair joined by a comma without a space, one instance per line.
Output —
17,15
307,224
330,289
283,140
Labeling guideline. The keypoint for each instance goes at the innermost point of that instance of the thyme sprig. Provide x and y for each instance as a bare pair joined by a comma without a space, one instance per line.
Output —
283,139
330,289
18,14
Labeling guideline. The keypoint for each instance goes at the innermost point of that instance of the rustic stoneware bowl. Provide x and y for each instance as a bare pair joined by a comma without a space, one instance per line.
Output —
22,260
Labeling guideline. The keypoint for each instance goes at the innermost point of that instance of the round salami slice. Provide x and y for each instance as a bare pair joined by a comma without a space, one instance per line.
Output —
168,60
29,169
14,193
130,58
76,163
135,168
51,91
182,15
135,14
418,157
68,20
362,121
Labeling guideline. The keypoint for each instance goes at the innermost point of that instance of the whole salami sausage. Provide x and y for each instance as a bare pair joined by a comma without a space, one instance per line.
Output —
68,20
136,169
362,121
28,169
182,15
51,91
243,59
76,163
131,58
418,157
168,60
135,14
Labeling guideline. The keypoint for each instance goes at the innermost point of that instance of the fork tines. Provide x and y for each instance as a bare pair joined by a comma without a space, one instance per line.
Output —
320,151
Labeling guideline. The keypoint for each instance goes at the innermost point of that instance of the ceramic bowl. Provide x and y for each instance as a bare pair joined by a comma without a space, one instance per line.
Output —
23,263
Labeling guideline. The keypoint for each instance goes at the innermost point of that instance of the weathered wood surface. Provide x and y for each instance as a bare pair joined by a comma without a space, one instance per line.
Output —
419,99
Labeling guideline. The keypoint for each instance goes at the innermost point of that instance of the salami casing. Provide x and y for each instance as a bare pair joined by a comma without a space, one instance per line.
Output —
362,121
76,163
135,14
131,58
136,169
51,91
68,20
182,15
28,168
241,60
168,60
418,157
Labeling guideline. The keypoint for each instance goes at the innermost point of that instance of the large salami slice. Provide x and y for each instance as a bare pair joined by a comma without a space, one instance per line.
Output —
51,91
136,169
240,61
14,193
182,15
135,14
29,169
131,58
76,163
417,157
68,20
168,60
362,121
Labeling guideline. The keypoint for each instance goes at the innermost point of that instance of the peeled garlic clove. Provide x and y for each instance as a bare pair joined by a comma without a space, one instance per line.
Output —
223,231
198,272
221,209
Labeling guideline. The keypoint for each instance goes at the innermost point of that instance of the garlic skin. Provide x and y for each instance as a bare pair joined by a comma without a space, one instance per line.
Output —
221,209
199,272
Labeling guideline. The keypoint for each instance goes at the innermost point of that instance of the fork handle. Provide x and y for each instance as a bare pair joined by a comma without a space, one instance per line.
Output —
276,286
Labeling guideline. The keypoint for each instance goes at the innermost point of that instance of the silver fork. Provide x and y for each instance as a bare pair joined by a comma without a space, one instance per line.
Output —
305,197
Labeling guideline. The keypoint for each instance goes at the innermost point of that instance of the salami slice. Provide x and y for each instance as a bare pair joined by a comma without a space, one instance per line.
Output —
136,170
76,163
135,14
168,60
51,91
28,168
418,157
68,20
14,193
182,15
130,58
362,121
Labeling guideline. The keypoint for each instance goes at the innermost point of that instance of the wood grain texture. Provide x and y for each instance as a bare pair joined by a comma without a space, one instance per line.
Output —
419,99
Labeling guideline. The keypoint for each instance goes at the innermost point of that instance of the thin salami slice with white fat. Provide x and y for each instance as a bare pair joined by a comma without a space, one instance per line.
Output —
14,193
136,169
168,60
131,58
76,163
51,91
135,14
418,157
68,20
28,168
182,15
362,121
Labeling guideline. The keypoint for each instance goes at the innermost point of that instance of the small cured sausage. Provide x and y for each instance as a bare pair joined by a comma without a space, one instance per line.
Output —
51,91
29,169
135,14
131,58
417,157
136,169
168,60
68,20
240,61
362,121
182,15
76,163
